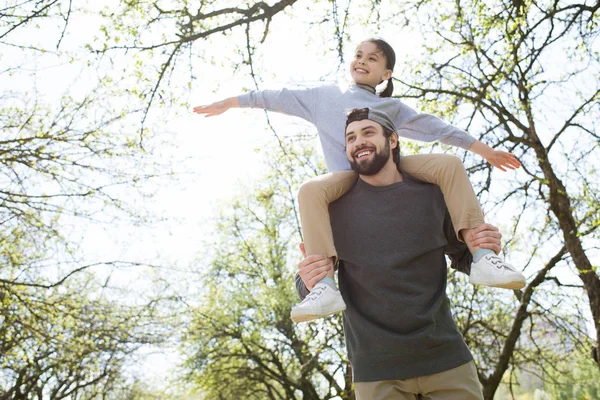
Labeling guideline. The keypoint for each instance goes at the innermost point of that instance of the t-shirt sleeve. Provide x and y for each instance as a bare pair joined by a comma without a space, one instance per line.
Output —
300,287
299,103
412,124
459,254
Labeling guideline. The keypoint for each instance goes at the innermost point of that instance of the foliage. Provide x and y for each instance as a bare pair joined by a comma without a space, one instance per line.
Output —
520,75
488,69
582,383
66,163
242,343
485,66
64,342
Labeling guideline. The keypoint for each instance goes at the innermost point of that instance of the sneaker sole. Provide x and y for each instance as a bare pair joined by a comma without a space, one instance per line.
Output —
306,318
514,285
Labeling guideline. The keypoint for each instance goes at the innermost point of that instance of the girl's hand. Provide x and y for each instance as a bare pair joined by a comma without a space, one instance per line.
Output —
499,159
217,108
502,160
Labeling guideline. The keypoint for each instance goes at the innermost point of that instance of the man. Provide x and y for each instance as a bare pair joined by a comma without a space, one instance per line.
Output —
391,232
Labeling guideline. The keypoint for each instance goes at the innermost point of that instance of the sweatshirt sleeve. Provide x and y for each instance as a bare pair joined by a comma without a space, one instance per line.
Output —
460,257
428,128
299,103
300,287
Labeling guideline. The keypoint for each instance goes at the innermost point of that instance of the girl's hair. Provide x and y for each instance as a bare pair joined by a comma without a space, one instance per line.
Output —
390,57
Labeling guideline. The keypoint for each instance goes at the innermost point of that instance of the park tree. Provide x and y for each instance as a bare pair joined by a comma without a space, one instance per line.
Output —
69,341
533,330
522,75
67,162
519,75
241,342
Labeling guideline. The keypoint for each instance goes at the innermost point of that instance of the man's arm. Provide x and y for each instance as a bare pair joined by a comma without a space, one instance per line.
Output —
310,271
485,236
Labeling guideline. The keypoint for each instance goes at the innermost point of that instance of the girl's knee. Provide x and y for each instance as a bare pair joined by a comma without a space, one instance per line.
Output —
451,163
326,188
450,159
311,190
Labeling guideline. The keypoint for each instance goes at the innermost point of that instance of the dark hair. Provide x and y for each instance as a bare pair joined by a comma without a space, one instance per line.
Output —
390,57
358,114
395,151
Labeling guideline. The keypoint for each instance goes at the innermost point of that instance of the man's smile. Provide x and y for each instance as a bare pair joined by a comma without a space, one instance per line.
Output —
362,153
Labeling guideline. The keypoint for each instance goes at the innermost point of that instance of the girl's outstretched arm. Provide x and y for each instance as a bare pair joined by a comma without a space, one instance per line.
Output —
218,107
499,159
296,102
428,128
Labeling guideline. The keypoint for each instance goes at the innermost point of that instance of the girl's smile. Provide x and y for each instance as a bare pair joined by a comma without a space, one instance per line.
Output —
369,65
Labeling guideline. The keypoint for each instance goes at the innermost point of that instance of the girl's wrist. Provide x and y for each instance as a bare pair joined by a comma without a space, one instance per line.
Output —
232,102
481,149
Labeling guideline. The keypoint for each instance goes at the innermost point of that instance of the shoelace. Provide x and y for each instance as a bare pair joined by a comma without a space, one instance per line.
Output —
313,294
498,263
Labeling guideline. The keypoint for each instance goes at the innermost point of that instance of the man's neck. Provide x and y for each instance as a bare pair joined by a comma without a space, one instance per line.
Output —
388,175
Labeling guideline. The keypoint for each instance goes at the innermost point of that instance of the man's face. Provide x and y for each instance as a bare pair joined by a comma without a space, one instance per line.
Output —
367,149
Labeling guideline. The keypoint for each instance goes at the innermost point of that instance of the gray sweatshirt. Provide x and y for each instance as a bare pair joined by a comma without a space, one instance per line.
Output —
326,108
391,242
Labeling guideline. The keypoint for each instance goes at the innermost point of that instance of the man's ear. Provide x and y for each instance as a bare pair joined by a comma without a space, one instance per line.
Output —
394,140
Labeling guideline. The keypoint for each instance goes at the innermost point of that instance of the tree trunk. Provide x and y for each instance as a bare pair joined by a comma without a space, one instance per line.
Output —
561,207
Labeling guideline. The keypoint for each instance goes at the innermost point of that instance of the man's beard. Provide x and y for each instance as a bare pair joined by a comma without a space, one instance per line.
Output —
375,165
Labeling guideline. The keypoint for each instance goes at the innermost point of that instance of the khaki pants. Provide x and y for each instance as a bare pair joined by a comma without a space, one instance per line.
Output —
459,383
444,170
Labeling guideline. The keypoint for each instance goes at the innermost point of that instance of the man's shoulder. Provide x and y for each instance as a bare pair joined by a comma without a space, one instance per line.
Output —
349,199
409,191
410,179
349,194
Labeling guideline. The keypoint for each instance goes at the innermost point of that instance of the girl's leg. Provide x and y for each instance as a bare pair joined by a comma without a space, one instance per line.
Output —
448,172
314,197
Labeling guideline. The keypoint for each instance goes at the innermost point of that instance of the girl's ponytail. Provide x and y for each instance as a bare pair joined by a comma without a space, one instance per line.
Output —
389,89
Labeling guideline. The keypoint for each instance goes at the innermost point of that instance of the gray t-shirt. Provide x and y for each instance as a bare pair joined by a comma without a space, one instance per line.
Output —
326,108
391,241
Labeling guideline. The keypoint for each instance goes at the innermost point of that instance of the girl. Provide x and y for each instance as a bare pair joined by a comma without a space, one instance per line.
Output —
325,107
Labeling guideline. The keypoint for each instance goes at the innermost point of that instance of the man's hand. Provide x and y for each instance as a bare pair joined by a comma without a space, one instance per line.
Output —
487,236
313,268
502,160
217,108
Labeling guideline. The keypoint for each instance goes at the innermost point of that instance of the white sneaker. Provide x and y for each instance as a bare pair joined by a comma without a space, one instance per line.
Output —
490,270
323,300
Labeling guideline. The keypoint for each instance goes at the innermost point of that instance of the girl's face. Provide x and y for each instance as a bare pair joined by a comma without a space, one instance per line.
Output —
369,65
